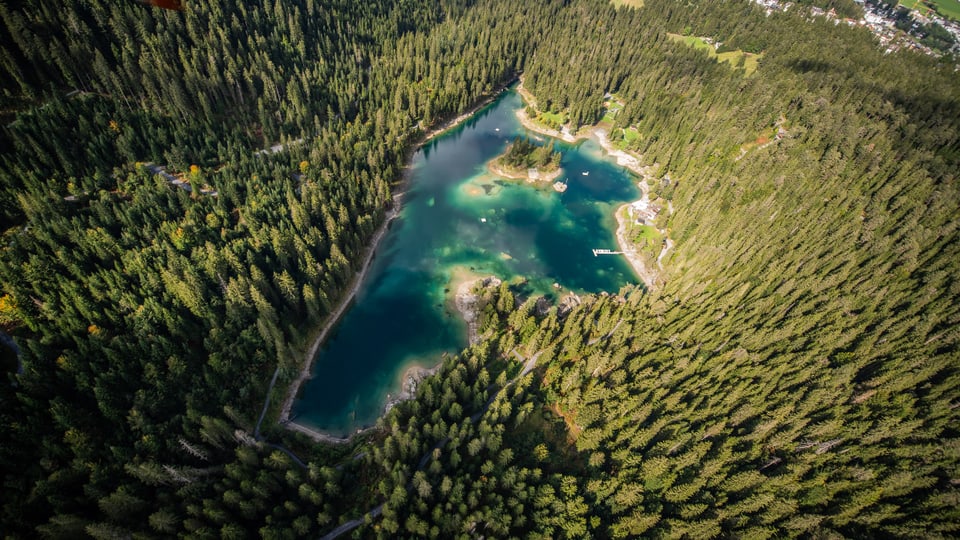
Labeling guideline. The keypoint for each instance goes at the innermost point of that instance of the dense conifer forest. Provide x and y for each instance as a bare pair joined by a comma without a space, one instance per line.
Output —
185,195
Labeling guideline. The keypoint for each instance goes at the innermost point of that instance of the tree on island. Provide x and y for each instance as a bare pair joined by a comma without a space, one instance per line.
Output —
524,154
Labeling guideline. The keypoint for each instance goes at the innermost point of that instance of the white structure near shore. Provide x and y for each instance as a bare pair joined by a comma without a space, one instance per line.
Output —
642,212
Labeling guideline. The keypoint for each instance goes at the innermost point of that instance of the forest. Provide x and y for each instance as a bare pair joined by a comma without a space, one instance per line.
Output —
797,374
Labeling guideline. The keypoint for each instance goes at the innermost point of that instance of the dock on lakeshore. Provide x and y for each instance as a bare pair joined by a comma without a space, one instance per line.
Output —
597,252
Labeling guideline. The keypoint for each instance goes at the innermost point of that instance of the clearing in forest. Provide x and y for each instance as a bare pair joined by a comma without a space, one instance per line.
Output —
946,8
736,58
555,120
627,3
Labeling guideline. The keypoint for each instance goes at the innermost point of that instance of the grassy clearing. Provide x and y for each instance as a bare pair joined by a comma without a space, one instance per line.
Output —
610,115
613,109
733,58
627,3
568,417
549,424
622,138
913,4
646,239
547,119
551,119
767,135
750,60
946,8
693,41
647,233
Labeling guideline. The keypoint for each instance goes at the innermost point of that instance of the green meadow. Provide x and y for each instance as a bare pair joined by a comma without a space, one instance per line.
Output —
628,3
750,60
947,8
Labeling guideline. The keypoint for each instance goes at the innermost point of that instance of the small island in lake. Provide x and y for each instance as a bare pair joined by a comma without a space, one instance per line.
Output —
524,160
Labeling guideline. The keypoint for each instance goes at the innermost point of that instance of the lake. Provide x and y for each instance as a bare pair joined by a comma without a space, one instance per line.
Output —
458,219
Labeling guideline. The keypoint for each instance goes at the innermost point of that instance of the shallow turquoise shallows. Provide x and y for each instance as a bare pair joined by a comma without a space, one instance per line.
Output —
458,219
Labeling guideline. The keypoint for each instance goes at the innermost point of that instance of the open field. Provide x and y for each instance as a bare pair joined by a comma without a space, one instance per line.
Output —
627,3
552,119
947,8
750,60
693,41
612,111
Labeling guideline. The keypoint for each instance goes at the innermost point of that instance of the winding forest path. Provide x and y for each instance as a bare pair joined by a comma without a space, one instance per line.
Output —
256,430
351,525
527,368
607,335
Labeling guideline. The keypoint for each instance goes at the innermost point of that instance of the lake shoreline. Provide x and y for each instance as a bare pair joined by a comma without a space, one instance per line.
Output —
495,168
327,327
467,304
648,275
464,301
409,381
345,301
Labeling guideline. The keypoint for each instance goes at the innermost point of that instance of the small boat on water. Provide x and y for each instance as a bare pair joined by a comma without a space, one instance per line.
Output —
585,173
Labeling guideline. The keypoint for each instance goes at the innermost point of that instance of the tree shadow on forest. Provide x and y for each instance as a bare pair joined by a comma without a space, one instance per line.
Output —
929,111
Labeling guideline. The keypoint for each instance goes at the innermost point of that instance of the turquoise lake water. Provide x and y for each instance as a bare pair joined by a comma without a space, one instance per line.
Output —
457,218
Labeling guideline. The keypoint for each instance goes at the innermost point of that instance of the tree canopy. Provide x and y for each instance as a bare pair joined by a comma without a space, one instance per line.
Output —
796,375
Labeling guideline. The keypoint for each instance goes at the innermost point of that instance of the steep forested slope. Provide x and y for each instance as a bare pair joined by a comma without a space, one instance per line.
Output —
797,374
144,310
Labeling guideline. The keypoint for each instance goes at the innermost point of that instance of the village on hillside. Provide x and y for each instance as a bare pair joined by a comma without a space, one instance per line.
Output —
895,26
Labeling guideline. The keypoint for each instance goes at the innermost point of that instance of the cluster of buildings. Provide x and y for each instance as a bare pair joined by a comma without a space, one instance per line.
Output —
642,212
882,19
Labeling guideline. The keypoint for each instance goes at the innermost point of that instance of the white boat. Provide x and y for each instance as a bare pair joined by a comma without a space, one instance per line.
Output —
585,173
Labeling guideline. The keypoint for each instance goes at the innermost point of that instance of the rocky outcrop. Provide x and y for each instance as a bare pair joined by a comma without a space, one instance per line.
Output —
468,304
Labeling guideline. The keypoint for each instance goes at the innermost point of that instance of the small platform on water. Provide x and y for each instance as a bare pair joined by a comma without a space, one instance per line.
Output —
597,252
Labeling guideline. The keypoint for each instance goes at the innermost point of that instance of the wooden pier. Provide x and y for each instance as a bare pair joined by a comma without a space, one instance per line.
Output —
597,252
